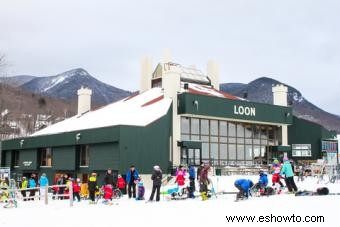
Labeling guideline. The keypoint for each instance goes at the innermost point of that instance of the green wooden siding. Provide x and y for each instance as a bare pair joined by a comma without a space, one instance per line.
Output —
104,156
146,146
98,135
224,108
8,158
306,132
26,157
64,158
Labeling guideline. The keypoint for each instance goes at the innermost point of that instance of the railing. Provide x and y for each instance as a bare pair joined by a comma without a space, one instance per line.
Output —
44,196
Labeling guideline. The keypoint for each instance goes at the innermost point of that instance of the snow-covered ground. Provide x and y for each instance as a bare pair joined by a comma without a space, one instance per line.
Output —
193,212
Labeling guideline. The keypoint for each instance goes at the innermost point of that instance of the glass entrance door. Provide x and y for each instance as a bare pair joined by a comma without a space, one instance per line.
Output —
191,156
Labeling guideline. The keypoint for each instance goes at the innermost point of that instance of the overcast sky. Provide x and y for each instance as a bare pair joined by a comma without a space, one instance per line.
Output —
294,41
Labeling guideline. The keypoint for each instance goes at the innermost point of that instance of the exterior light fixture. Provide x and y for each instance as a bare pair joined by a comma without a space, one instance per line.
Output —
22,143
195,102
78,136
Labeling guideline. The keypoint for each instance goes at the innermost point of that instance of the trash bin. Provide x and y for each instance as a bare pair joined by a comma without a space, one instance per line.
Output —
218,172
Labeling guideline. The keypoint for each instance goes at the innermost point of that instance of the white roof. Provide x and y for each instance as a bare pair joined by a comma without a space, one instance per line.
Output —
139,110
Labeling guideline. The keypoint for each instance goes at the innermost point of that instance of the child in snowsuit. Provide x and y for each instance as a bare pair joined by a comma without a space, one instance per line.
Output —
261,185
108,191
243,185
204,181
76,190
180,177
121,184
276,179
141,191
93,186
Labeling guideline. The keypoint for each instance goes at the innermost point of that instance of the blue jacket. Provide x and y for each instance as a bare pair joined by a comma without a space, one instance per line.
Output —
244,184
43,181
128,176
287,169
192,172
263,180
32,183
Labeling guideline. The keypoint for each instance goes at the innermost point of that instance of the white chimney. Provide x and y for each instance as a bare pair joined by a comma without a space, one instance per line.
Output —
280,95
166,56
213,74
84,100
280,98
145,73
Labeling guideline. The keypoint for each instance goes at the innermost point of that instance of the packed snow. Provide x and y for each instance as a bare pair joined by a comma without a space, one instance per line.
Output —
139,110
189,212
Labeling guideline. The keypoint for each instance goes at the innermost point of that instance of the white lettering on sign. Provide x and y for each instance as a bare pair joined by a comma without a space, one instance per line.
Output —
27,163
244,110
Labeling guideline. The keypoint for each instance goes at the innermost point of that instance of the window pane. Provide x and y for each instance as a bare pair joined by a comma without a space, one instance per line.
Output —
240,140
185,125
213,127
223,128
195,137
264,133
231,129
232,151
223,139
256,132
214,139
240,130
240,152
249,152
257,152
232,140
249,141
248,131
205,150
223,151
204,127
184,137
205,138
195,126
214,152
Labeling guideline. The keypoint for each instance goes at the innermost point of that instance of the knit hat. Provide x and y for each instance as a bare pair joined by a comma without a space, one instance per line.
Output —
285,159
276,161
156,168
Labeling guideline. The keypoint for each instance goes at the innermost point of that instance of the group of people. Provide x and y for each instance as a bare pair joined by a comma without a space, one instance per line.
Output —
284,170
133,186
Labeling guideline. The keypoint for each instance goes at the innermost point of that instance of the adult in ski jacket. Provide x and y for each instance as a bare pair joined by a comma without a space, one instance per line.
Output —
156,183
289,175
109,178
243,185
43,182
131,179
24,185
32,184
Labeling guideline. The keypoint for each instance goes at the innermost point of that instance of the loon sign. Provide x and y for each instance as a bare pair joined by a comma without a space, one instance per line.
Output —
244,110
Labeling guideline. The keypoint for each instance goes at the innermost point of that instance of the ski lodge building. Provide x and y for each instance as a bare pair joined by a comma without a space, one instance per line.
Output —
178,117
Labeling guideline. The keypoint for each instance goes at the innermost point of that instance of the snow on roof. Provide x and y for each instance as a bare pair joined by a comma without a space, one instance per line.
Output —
208,90
137,110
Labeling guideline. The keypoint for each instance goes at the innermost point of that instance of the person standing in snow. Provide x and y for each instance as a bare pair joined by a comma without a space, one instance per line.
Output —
276,167
121,184
93,187
43,182
109,178
32,184
200,168
76,189
131,179
156,183
192,181
23,186
204,181
289,175
180,176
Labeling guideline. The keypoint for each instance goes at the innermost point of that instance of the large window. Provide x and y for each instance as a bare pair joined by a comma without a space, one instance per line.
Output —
225,142
301,150
84,155
45,156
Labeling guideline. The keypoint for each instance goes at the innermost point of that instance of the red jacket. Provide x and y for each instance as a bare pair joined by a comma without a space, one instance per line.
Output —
121,183
107,191
75,187
180,180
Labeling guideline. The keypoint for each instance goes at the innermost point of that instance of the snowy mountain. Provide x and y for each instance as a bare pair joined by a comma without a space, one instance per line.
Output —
66,84
16,81
260,90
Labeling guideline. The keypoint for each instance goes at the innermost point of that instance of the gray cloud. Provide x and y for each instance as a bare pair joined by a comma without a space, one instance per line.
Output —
296,42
